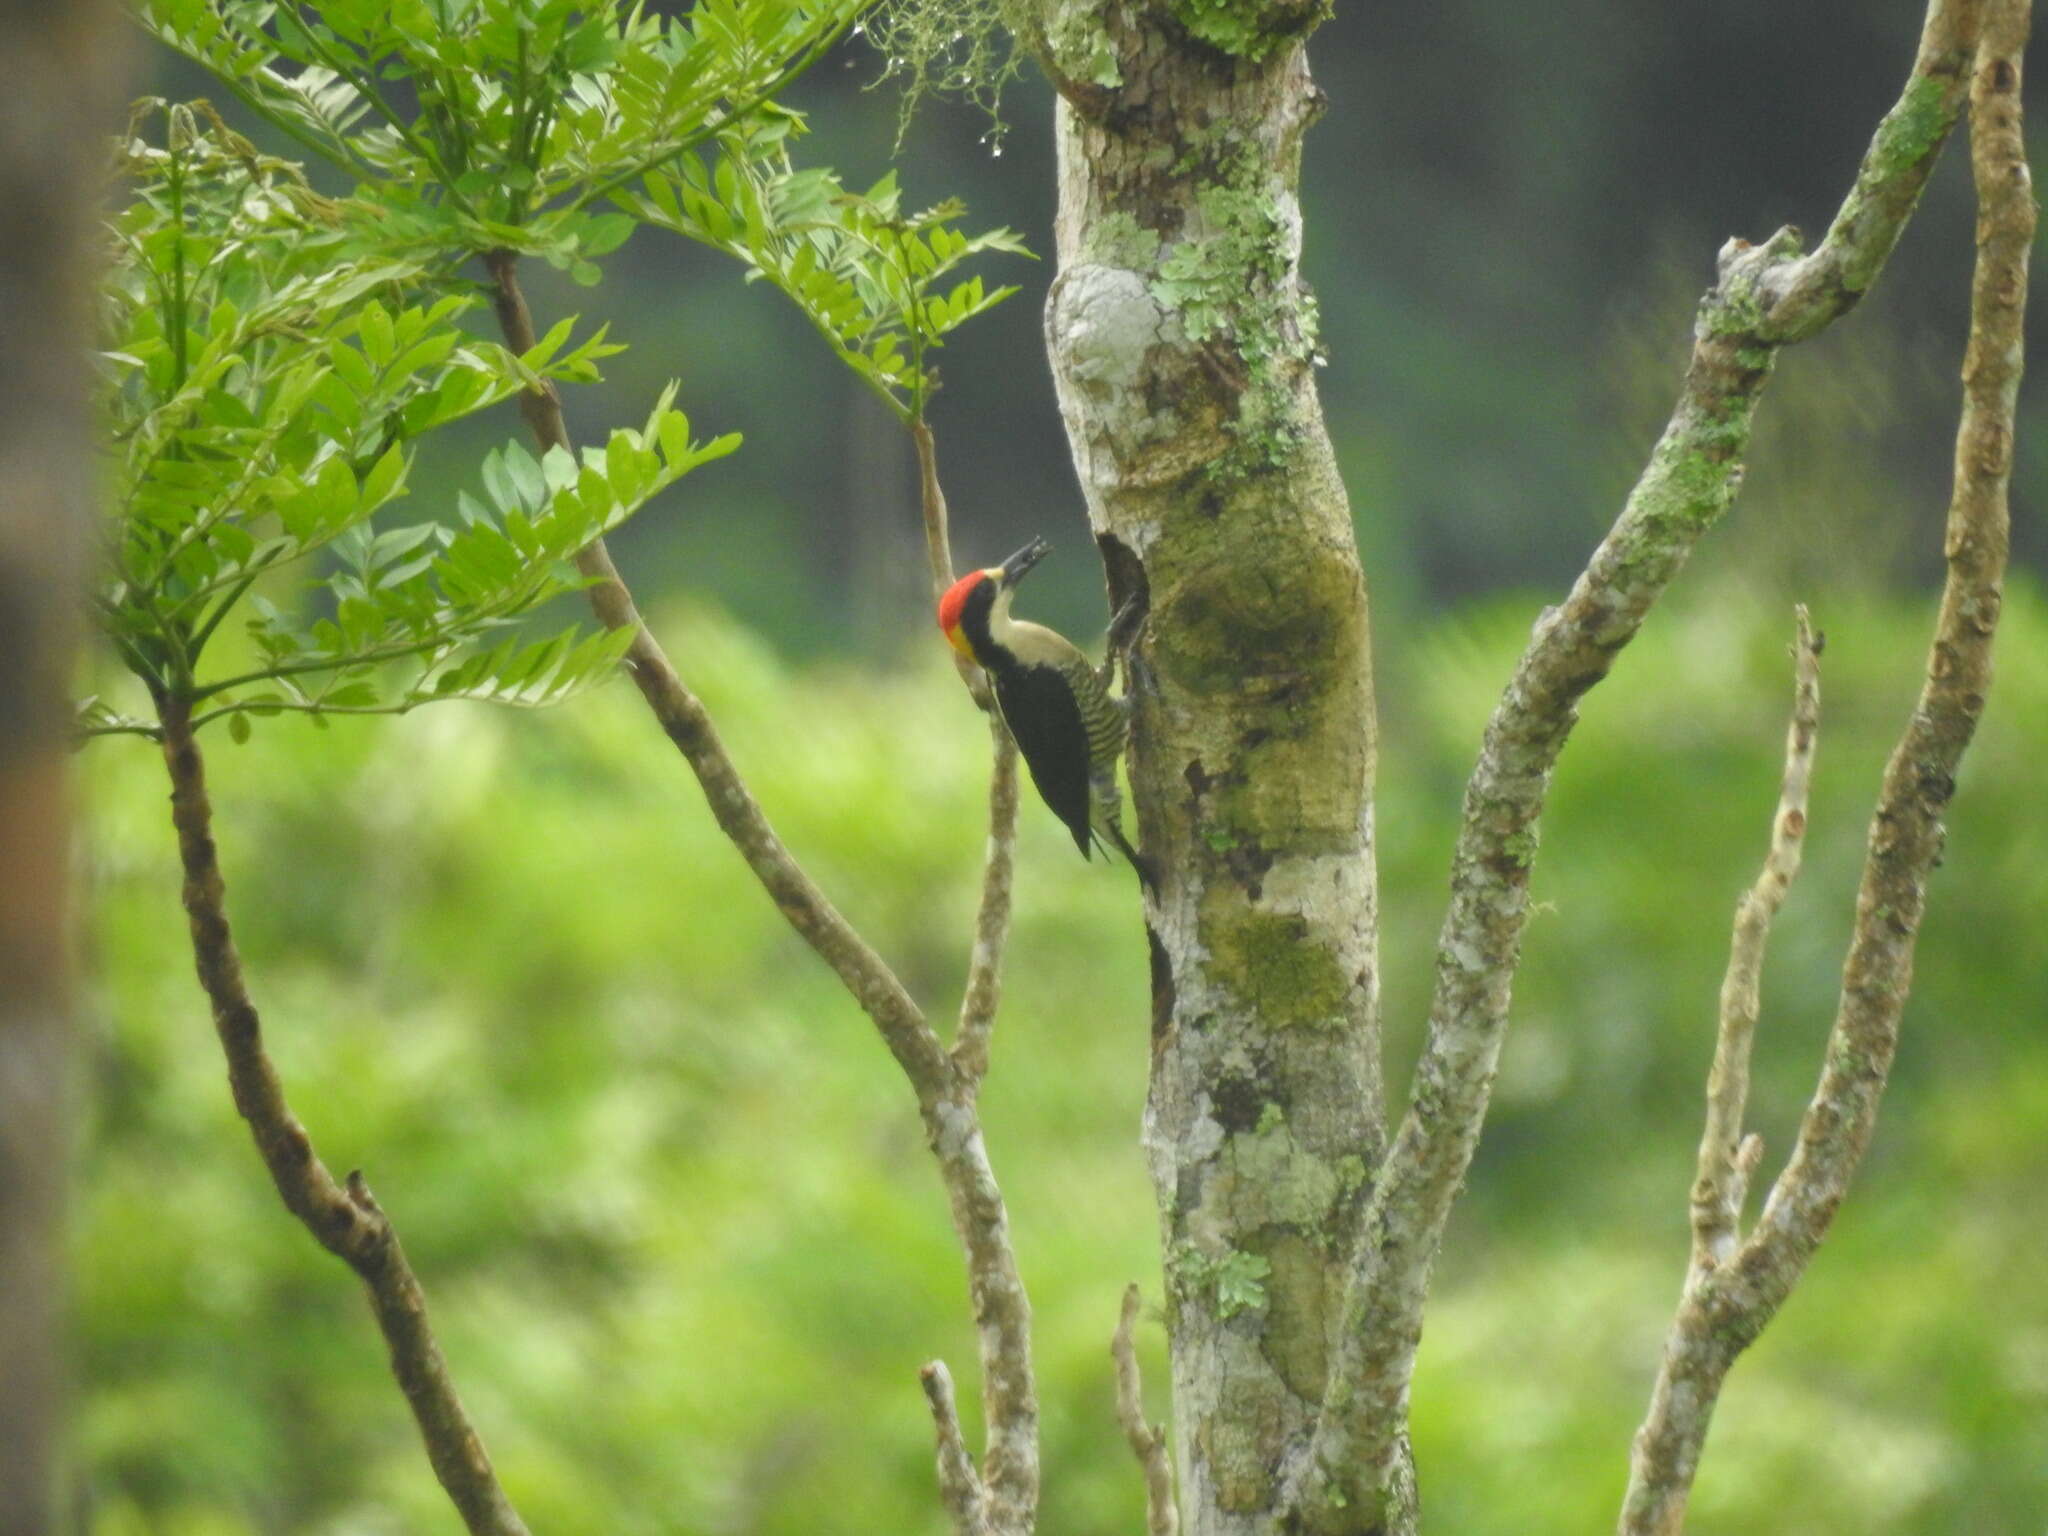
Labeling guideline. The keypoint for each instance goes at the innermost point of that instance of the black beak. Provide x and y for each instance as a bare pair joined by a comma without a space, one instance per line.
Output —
1019,565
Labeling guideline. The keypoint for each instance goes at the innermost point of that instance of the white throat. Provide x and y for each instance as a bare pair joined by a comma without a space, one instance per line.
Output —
1001,626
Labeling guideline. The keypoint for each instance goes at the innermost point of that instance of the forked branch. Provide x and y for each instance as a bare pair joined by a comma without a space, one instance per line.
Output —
345,1218
945,1082
1667,1446
1765,297
1722,1181
1727,1306
960,1488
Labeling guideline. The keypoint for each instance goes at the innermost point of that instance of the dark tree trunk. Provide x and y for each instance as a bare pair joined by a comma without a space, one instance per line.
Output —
56,78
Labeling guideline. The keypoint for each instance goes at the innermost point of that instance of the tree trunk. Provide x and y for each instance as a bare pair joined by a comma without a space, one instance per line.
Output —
54,110
1183,343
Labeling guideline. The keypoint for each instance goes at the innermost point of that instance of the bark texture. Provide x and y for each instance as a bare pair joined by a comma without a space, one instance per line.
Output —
1183,342
57,83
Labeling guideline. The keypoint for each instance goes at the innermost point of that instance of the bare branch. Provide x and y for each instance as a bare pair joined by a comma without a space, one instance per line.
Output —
992,919
1002,1314
1147,1441
959,1485
938,543
1667,1447
1764,297
1727,1306
945,1089
938,547
1906,834
347,1222
1722,1183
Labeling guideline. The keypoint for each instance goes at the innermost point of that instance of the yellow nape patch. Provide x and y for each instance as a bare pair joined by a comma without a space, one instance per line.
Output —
957,638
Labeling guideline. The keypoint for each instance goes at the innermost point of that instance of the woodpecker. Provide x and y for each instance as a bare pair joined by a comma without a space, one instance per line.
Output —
1056,705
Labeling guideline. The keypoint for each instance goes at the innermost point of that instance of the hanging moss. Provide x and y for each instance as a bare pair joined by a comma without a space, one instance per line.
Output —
942,48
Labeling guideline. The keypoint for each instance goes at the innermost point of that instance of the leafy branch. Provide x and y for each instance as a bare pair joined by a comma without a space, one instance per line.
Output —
523,116
263,386
528,118
867,275
263,390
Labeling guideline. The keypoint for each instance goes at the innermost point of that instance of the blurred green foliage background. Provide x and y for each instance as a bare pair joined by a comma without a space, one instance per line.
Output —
665,1189
668,1195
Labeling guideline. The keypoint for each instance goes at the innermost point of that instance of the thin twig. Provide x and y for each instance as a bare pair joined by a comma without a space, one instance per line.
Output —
1664,1445
1906,834
1147,1441
959,1484
945,1091
1732,1304
938,542
992,918
938,547
1721,1184
739,815
1765,296
347,1222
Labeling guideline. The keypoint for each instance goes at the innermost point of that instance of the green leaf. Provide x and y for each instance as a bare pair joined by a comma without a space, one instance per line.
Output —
606,232
525,474
379,344
544,350
673,428
385,477
353,369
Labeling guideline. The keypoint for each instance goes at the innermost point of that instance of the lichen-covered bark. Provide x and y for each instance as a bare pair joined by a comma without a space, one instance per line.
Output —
1183,342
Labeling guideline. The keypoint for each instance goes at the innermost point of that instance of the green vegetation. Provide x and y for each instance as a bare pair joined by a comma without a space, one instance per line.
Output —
273,353
664,1188
865,273
1230,1282
265,387
667,1194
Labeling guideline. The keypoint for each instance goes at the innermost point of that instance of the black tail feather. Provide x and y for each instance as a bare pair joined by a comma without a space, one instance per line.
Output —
1138,862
